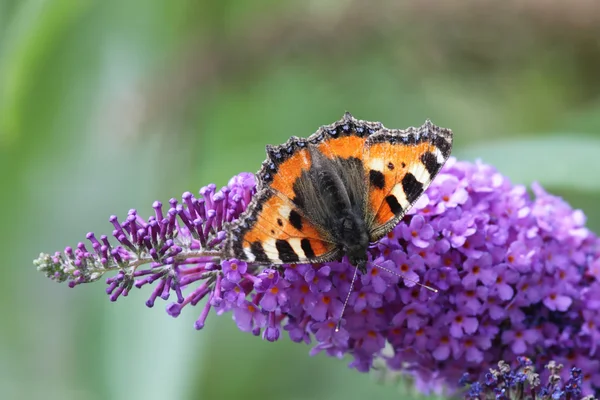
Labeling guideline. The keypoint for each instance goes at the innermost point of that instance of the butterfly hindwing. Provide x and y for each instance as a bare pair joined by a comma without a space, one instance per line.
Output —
400,165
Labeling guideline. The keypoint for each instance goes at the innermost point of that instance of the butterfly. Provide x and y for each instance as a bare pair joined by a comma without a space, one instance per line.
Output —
336,192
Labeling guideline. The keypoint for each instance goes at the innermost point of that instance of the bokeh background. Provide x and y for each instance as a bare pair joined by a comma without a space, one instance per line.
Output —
109,105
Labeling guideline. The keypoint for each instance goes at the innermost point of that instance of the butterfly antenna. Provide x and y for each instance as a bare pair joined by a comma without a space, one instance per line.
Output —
405,278
339,324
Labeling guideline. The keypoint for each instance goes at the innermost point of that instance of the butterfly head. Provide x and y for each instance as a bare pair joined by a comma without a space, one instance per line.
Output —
355,241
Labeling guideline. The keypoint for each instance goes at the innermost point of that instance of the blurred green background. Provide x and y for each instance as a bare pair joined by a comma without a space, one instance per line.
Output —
109,105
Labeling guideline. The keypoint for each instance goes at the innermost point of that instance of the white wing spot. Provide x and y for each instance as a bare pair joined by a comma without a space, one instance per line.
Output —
270,250
249,256
297,247
439,156
419,172
285,211
398,191
376,164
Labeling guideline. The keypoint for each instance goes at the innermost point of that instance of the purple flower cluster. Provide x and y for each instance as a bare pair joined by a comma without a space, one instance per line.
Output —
514,275
523,382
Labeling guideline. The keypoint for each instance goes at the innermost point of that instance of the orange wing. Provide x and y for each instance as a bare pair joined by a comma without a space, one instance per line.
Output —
274,231
400,165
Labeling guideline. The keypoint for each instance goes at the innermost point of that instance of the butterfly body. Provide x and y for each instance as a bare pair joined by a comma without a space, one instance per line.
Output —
336,192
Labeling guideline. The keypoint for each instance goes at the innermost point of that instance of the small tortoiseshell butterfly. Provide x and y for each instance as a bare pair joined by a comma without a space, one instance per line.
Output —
337,191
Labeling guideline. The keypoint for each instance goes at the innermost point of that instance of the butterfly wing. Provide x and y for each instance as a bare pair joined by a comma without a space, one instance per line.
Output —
400,165
274,230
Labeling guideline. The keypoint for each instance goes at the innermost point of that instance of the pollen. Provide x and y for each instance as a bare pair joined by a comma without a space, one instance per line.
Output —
404,268
511,259
331,324
446,198
374,271
304,289
274,290
326,300
233,266
372,334
251,308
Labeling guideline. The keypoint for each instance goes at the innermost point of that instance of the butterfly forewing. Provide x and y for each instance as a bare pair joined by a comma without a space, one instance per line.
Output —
400,166
275,229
